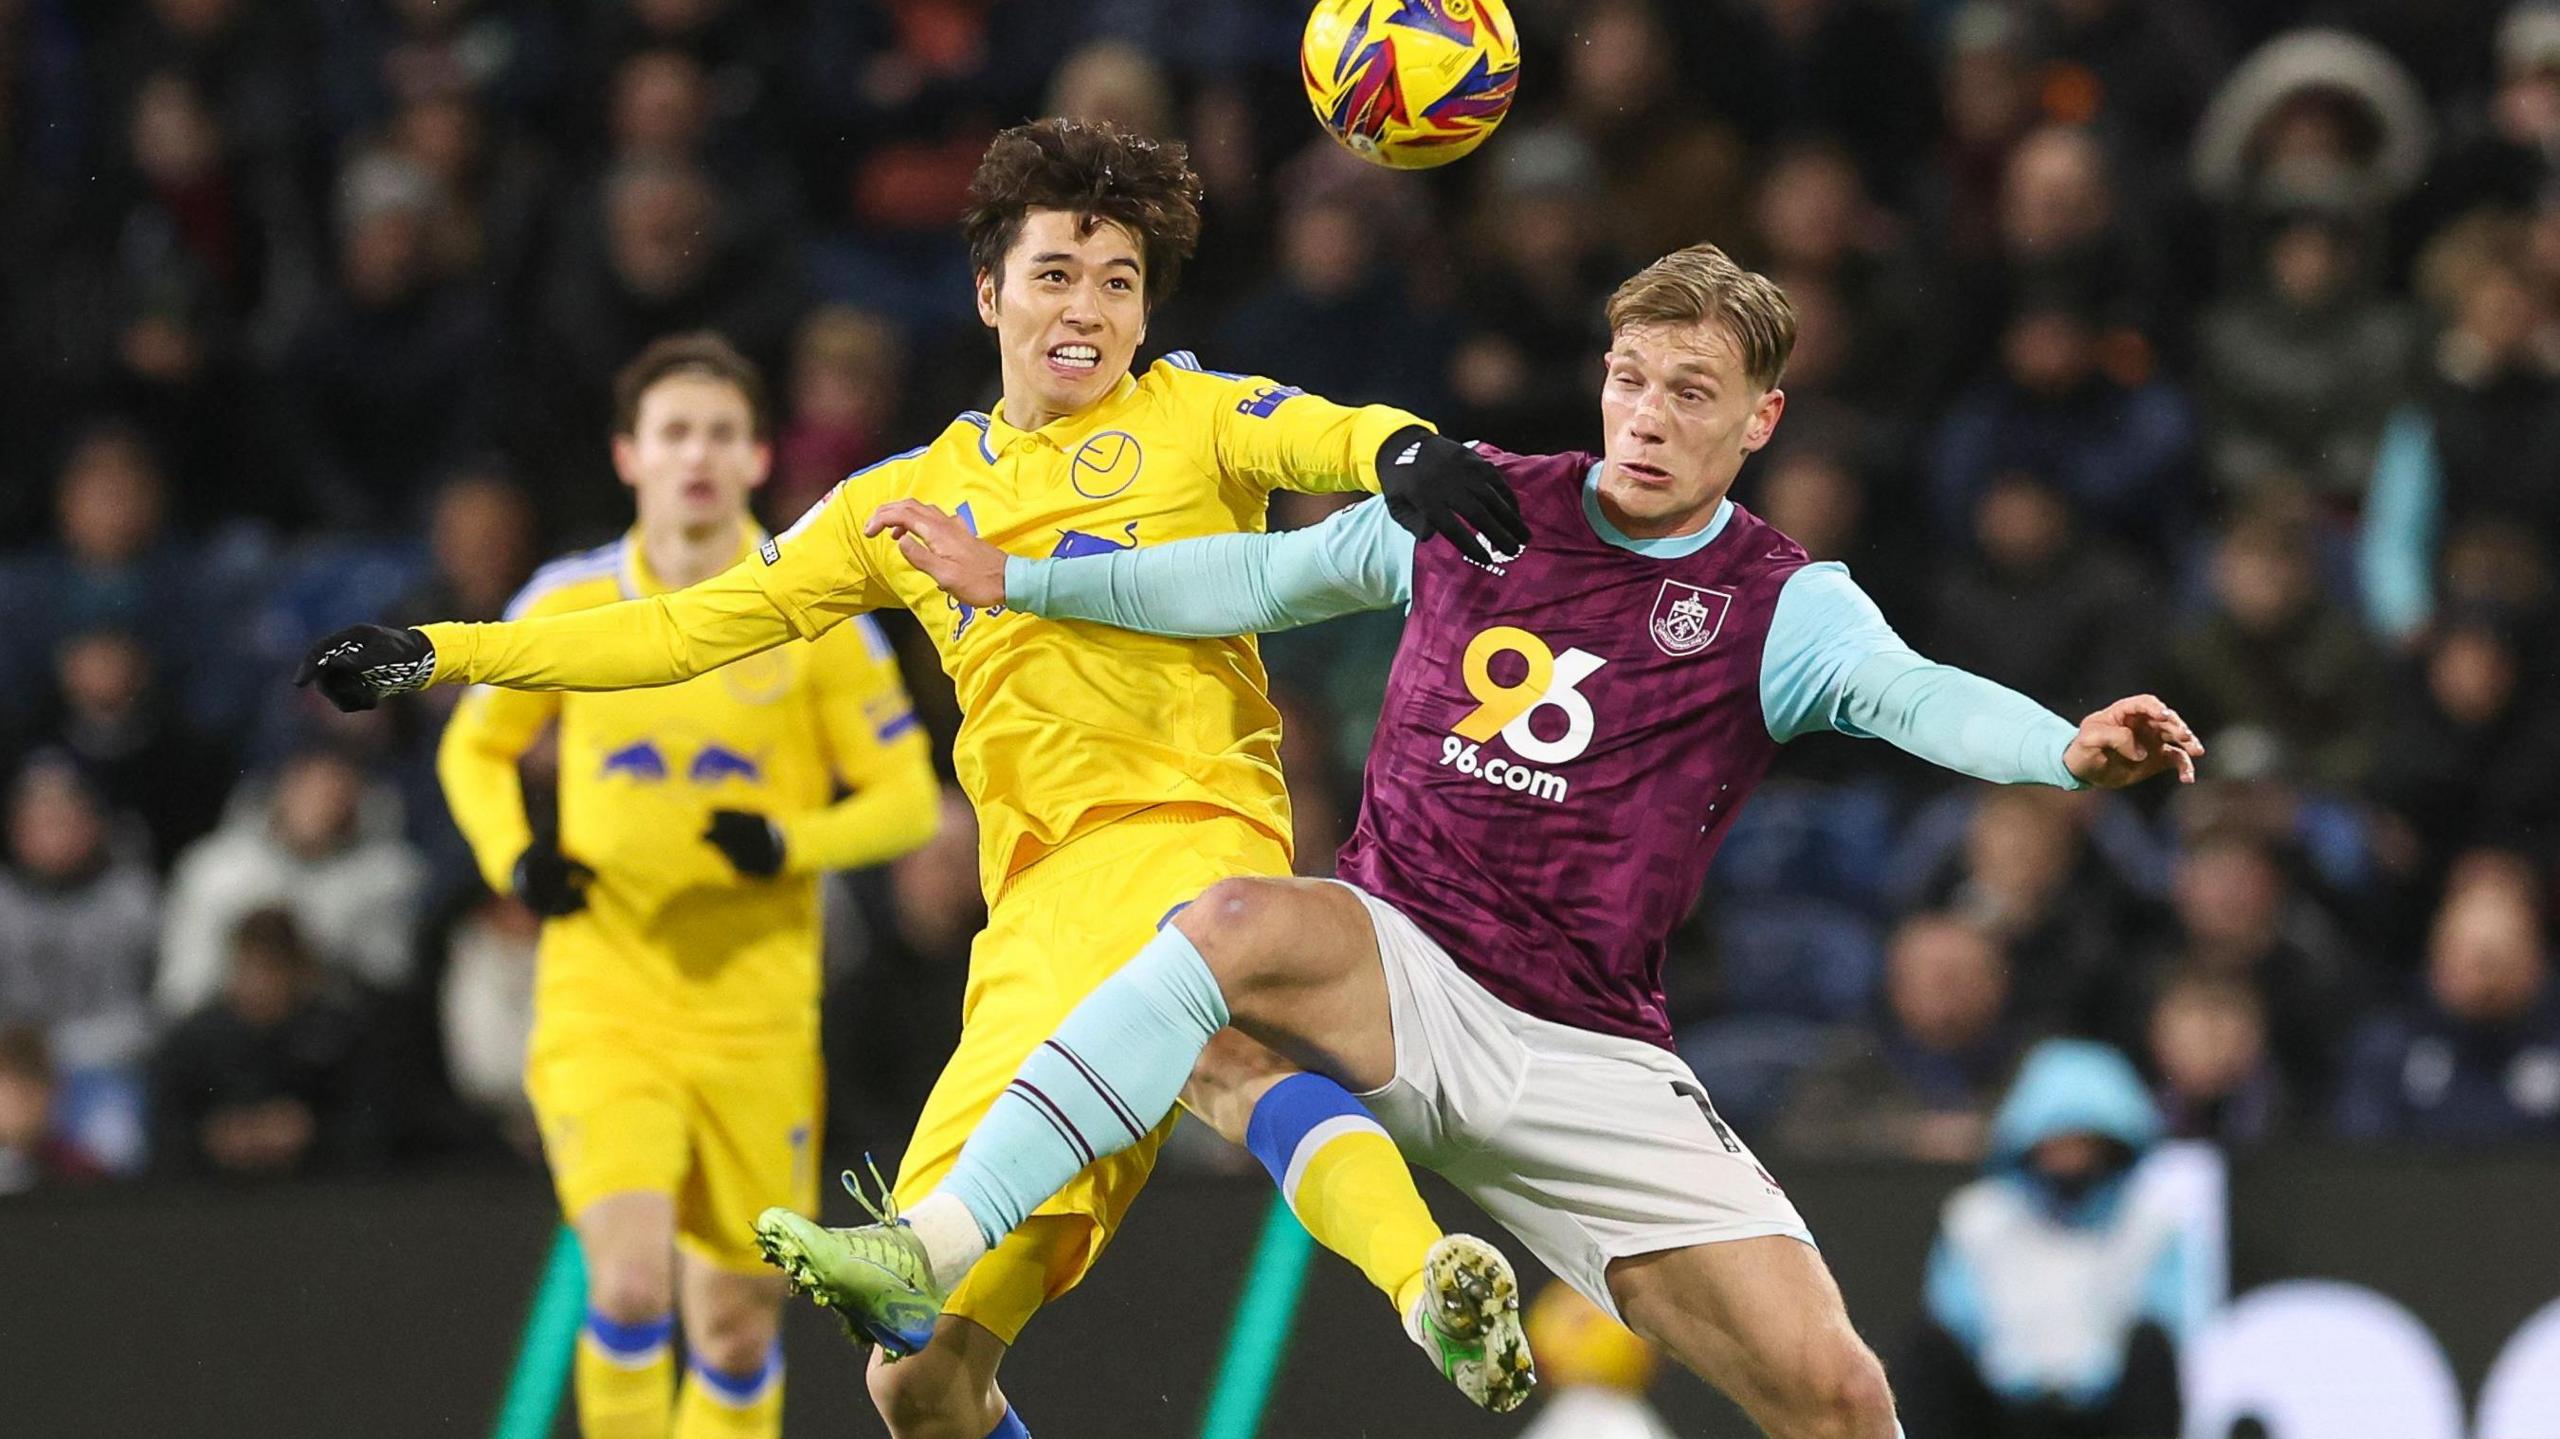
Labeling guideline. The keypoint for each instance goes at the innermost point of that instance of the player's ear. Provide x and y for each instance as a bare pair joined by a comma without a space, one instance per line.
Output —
1764,420
764,465
626,461
987,298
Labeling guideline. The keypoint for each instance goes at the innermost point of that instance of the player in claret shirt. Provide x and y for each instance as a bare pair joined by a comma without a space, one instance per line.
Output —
1567,734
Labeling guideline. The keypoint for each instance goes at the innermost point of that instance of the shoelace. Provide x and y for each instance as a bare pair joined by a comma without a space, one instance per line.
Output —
883,1210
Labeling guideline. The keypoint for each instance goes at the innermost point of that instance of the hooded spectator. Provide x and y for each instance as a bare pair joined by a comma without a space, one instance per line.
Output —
2059,1288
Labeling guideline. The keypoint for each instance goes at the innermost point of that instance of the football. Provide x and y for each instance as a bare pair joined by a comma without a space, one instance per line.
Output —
1410,83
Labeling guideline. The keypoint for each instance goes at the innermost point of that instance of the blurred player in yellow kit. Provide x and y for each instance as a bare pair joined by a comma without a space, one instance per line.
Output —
1115,774
674,1064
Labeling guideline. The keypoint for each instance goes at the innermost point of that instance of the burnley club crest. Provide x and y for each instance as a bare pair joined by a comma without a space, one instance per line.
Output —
1686,618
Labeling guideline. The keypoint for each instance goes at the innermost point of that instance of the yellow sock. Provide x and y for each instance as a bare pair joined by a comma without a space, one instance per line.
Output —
1347,1182
626,1375
713,1405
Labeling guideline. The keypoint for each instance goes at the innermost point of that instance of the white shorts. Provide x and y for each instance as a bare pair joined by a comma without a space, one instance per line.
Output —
1588,1147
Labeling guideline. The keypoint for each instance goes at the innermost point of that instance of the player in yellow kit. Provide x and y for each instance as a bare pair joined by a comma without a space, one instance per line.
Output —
1115,774
674,1063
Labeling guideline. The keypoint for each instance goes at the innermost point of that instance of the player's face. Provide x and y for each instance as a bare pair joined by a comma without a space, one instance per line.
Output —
1069,311
692,457
1681,413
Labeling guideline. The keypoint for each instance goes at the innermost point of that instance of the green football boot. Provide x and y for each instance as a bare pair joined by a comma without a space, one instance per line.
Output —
876,1277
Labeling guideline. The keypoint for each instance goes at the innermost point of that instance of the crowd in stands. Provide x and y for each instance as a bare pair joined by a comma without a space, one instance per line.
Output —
2210,349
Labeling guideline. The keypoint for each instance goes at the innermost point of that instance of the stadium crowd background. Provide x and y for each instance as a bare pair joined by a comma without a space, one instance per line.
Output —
2146,344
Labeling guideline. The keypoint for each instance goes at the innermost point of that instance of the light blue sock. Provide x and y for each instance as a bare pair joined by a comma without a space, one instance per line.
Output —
1112,1070
1009,1427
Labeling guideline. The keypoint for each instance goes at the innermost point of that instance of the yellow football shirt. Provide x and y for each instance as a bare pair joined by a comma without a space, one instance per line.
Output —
1067,725
672,934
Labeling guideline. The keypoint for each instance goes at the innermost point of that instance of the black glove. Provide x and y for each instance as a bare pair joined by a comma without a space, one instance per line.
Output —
1436,486
752,842
360,664
550,883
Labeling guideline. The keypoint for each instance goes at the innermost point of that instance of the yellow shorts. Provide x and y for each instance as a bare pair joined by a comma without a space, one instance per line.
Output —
724,1131
1066,924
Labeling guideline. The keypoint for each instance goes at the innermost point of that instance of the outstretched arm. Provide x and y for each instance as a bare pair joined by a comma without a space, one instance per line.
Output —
1833,663
796,586
1240,584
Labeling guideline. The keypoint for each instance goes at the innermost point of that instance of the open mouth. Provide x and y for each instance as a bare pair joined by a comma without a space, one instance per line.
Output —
1643,473
1077,359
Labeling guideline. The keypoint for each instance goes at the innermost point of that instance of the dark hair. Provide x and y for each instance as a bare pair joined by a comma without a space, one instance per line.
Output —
1097,172
698,352
271,933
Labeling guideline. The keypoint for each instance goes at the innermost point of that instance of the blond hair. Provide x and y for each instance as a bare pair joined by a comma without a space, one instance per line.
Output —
1702,284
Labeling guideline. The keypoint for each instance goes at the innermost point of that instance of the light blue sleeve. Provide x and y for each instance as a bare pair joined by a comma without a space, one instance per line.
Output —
1833,663
2395,548
1356,559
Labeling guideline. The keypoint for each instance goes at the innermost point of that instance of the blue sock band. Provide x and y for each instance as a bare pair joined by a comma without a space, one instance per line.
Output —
740,1390
1009,1427
1297,1109
629,1342
1094,1088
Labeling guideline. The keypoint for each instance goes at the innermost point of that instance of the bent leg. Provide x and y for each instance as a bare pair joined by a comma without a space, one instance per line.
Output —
1761,1320
1295,955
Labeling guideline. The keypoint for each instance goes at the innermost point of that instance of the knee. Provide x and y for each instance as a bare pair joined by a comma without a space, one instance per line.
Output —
631,1288
1846,1396
1230,917
734,1334
925,1396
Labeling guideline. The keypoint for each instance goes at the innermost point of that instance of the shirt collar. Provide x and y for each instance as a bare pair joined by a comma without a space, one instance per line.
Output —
1668,547
1066,431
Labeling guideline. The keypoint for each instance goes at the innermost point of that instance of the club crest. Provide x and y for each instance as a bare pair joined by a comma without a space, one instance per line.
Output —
1686,618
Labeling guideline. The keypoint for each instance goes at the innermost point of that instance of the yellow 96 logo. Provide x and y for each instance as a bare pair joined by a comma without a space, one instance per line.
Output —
1550,682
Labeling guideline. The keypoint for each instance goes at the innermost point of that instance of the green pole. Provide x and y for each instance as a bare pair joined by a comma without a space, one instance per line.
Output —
549,1345
1258,1336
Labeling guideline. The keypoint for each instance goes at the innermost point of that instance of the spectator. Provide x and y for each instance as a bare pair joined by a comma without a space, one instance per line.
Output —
271,1077
2313,110
480,539
77,923
2116,446
2478,1059
2038,600
34,1154
1672,177
2207,1040
1986,103
390,385
2025,873
2056,1291
2303,364
653,255
846,369
1531,303
2240,917
1340,318
2276,658
1922,1085
116,722
113,565
2063,229
2484,433
2471,751
319,845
